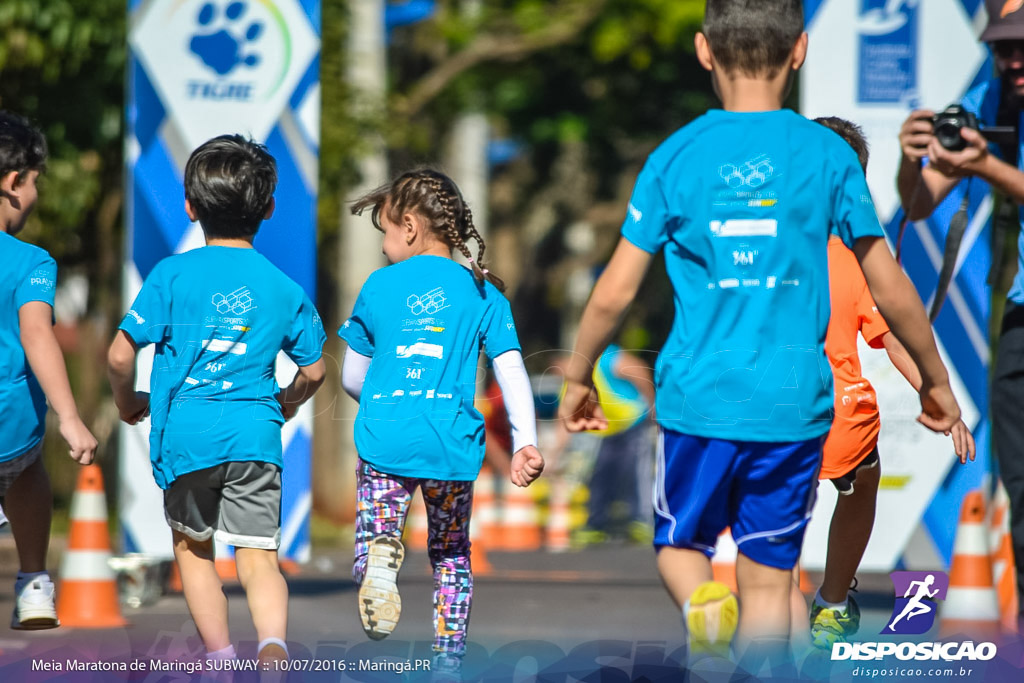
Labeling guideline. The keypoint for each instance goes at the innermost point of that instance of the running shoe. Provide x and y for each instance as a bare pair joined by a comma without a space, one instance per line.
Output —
34,606
711,616
380,605
830,626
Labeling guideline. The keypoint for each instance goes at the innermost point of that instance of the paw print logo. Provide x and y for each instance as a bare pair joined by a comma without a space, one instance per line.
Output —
225,48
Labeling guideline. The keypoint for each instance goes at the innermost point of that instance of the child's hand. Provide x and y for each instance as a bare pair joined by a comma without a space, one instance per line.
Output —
939,410
579,409
288,410
963,442
134,410
80,439
527,464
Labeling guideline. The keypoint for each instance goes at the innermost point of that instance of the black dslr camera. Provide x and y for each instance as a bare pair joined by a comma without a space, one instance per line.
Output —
947,125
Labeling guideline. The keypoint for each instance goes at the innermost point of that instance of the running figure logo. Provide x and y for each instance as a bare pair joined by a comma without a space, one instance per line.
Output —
914,613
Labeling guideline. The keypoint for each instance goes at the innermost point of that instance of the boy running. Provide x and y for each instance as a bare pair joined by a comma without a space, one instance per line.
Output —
219,316
850,458
742,201
32,373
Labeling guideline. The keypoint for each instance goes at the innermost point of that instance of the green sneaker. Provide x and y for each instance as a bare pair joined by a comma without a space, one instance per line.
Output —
830,626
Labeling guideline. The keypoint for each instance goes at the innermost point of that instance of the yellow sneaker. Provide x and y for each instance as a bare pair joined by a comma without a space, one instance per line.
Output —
711,615
380,605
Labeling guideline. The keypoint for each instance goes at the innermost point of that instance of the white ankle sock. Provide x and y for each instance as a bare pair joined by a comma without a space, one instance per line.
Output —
226,653
841,606
272,641
25,577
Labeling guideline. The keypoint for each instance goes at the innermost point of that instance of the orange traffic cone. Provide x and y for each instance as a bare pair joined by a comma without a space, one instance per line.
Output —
558,519
723,564
88,595
971,606
1004,571
416,524
520,529
485,509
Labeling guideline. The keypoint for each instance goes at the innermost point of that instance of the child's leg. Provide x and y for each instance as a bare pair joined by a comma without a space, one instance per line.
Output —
682,570
449,504
382,503
29,505
799,634
765,592
204,592
849,534
265,589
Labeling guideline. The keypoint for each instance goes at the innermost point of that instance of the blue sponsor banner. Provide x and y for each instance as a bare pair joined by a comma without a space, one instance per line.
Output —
198,69
888,52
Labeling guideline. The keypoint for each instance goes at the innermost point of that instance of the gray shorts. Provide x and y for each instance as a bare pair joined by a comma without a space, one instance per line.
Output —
240,502
12,469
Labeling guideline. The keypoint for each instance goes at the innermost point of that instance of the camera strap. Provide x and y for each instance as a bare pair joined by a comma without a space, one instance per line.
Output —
955,235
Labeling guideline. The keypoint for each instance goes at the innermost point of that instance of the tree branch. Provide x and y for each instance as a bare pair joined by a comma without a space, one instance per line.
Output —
488,47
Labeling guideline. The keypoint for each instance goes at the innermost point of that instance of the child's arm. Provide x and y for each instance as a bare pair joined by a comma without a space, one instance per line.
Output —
47,362
308,379
353,372
963,440
899,304
132,405
612,295
527,462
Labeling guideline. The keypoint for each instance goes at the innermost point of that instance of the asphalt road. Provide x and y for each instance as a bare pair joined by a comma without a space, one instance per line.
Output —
597,615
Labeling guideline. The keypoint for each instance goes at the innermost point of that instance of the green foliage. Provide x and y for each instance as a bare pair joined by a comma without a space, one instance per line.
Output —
62,65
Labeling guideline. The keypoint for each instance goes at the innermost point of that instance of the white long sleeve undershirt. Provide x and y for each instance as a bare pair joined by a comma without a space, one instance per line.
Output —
510,372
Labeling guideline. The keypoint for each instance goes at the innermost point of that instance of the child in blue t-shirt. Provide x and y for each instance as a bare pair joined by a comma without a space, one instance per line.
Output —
742,202
414,341
218,317
32,372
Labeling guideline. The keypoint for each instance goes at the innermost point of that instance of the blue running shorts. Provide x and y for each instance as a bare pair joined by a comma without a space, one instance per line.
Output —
763,491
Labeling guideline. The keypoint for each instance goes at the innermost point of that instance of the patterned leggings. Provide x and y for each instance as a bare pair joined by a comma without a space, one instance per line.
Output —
382,505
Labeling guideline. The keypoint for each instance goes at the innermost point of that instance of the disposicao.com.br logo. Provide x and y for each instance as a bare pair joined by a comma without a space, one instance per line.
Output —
916,606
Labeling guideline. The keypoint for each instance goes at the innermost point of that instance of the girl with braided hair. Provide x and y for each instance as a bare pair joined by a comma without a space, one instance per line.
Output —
414,341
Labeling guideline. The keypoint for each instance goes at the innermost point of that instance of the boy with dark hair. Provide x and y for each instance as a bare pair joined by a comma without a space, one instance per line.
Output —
32,373
850,458
743,201
219,316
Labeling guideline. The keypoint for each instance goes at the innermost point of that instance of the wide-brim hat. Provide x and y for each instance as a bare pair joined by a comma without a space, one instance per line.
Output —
1005,20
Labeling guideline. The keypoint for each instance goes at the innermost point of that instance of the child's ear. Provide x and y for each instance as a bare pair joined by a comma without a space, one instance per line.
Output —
9,182
190,212
412,225
700,42
799,53
270,210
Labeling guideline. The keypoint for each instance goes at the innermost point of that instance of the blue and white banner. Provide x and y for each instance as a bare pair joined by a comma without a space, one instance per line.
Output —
872,62
198,69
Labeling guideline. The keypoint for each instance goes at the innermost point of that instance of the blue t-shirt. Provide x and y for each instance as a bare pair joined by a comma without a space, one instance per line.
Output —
422,322
218,317
983,102
743,205
27,273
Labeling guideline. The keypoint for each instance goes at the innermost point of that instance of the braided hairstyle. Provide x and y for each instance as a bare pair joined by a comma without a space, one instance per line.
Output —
436,198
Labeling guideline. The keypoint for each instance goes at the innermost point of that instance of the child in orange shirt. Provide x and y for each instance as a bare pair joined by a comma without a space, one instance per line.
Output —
850,458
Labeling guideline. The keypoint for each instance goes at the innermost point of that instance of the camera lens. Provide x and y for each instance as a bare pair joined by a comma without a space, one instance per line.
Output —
947,132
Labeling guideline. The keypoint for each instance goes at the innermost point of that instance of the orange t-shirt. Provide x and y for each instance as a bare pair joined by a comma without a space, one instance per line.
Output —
855,428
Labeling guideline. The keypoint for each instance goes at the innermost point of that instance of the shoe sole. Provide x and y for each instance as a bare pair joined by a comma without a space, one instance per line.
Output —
712,615
380,605
34,620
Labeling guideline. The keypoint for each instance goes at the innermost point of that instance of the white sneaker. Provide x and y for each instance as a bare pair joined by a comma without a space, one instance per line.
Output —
380,605
34,606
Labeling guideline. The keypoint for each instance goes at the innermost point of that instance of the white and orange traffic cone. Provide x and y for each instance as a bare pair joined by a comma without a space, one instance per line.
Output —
971,606
1004,570
520,530
88,596
723,564
486,525
558,519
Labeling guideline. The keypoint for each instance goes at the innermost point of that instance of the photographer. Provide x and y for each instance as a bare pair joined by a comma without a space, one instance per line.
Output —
922,186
